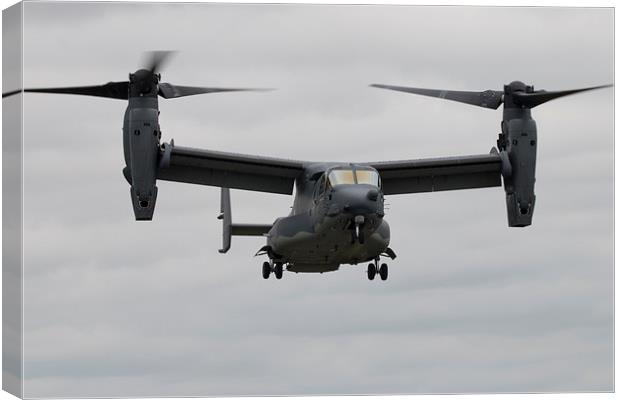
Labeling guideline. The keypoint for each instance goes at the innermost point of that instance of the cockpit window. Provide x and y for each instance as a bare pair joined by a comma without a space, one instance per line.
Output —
341,176
347,176
367,177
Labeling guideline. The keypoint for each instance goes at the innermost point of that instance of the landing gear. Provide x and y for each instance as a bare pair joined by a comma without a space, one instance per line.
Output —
383,272
266,270
277,268
357,234
372,271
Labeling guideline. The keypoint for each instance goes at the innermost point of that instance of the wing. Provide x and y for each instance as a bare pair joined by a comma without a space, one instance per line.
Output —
435,174
236,171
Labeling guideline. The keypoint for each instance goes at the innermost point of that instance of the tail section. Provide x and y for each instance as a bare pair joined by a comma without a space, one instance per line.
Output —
229,229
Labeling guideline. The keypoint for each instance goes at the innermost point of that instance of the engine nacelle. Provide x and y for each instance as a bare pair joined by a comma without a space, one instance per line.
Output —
519,141
142,150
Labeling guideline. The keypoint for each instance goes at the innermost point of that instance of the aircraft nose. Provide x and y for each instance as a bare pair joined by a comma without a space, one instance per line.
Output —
372,194
357,199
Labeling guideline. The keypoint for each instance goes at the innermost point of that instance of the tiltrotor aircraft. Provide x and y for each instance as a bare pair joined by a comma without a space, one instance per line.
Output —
338,209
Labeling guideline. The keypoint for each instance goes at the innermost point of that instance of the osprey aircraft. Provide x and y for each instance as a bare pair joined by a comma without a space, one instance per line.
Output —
338,214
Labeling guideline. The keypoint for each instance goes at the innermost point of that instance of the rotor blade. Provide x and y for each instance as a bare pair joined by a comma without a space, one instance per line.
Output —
155,60
170,91
487,99
113,90
531,100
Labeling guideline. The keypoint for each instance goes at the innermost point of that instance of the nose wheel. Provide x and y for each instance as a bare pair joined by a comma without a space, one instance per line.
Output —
276,267
374,269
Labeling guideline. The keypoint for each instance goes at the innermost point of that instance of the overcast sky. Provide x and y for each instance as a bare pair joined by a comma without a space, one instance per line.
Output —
115,307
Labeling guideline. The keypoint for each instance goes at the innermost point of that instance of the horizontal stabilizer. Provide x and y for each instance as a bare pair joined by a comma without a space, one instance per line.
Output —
250,229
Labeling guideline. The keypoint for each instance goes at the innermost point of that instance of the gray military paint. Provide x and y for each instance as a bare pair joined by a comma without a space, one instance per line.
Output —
321,233
343,224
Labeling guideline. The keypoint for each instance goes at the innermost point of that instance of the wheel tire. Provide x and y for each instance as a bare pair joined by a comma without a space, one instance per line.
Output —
372,271
266,270
383,272
278,270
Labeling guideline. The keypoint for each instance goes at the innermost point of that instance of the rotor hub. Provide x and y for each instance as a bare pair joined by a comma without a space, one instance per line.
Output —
144,81
518,86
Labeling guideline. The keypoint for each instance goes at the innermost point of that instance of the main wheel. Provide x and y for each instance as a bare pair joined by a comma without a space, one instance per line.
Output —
383,272
266,270
372,271
278,269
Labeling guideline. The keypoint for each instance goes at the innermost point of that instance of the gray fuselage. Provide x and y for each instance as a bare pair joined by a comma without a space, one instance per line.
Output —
330,225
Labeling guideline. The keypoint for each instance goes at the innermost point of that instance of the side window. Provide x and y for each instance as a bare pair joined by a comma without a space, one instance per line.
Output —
320,188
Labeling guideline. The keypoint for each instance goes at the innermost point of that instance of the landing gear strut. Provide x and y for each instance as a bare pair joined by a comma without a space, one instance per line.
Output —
276,267
357,233
374,269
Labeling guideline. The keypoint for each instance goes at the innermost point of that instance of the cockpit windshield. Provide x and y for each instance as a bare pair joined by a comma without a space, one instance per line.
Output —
341,176
367,177
351,177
